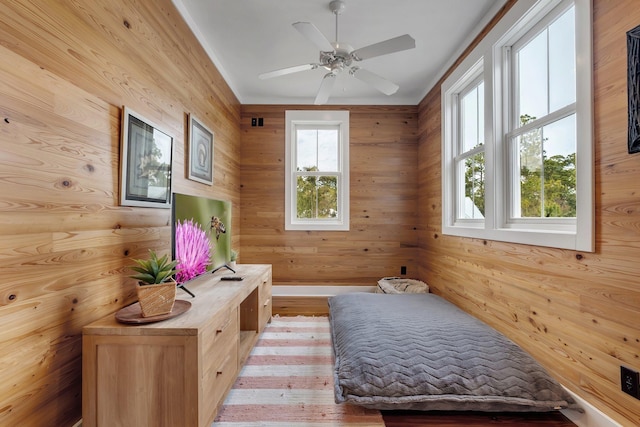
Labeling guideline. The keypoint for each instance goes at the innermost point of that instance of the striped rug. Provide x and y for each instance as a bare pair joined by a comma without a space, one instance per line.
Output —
287,381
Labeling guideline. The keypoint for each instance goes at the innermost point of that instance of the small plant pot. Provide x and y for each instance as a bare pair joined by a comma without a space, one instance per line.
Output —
156,299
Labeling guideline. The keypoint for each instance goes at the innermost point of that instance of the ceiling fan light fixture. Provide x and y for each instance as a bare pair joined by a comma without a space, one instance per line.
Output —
337,56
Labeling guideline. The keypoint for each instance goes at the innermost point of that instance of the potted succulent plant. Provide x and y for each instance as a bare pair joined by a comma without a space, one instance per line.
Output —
233,258
156,284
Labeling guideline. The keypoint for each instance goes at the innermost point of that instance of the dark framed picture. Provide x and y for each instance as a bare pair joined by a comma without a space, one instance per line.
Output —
200,151
145,162
633,88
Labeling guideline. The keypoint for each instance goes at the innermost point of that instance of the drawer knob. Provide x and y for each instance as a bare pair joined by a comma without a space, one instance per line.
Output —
266,303
221,329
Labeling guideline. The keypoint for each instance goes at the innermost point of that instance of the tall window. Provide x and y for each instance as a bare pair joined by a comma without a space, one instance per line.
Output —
317,187
542,134
470,161
517,130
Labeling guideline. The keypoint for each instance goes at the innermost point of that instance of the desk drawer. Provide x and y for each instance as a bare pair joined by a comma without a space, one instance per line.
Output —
218,381
264,300
218,339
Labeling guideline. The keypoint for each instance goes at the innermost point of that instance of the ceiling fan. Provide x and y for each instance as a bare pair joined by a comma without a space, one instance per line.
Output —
337,57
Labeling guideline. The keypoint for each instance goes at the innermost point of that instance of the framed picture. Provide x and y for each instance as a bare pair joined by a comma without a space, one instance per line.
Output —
145,163
633,88
200,151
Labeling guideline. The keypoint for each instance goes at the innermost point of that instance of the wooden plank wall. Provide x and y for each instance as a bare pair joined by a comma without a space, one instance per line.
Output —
66,69
578,313
383,190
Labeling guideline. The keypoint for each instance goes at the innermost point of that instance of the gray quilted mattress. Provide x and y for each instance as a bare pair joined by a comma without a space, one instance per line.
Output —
420,352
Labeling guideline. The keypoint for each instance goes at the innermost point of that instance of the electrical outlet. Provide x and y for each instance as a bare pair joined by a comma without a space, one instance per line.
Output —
630,382
403,269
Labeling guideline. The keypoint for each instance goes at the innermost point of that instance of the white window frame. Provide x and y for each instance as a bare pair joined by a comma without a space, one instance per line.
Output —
491,55
318,118
471,80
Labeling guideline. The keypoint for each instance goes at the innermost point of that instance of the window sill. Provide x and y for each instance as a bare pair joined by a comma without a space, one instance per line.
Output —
547,238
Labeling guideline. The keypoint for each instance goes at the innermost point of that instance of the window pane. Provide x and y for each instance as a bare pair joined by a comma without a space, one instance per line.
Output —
307,149
548,170
317,197
327,197
530,151
328,150
472,120
317,150
562,61
473,203
532,78
560,168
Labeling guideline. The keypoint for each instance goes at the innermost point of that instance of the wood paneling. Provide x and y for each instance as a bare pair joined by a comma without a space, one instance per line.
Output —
300,306
66,70
383,177
577,313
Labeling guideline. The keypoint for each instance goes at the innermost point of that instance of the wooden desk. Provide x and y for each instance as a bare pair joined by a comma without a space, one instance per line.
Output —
175,372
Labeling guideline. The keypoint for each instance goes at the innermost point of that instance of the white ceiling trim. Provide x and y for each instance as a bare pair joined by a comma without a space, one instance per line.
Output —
206,46
467,42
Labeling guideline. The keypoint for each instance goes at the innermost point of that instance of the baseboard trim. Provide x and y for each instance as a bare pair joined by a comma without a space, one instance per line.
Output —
591,417
308,300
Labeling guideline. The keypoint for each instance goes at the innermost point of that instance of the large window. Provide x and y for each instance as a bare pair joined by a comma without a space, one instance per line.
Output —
470,160
542,131
317,170
517,130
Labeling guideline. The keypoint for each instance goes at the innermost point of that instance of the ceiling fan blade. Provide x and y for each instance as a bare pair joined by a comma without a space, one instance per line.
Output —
380,83
288,70
313,34
396,44
325,89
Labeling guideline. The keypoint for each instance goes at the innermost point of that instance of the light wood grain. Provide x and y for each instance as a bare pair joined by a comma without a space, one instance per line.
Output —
383,176
577,313
300,306
66,70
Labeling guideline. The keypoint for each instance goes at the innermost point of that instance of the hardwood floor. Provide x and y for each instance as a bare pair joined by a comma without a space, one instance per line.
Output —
473,419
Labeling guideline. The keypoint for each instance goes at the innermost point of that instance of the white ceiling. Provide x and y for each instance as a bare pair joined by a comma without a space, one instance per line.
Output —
245,38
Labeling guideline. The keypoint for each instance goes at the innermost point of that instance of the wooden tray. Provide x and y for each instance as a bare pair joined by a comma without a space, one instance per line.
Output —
133,314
